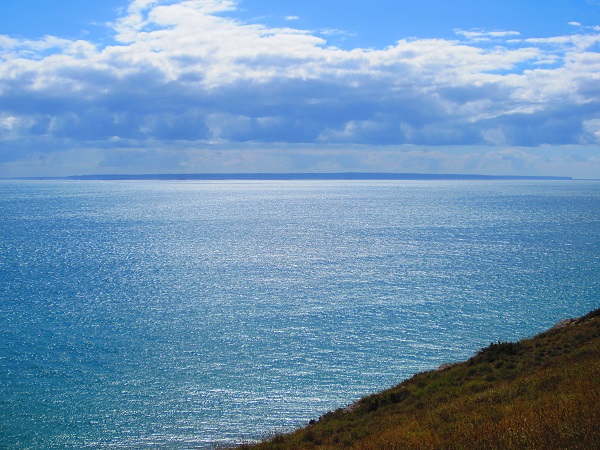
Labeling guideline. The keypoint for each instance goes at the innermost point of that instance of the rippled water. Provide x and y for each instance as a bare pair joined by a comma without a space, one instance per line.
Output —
185,314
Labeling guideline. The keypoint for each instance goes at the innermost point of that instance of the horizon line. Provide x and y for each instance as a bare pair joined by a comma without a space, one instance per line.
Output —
294,176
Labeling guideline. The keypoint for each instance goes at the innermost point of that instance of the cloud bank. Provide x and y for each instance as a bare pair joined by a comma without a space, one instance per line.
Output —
187,87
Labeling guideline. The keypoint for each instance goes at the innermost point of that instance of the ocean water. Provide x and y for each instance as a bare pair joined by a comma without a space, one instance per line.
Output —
163,314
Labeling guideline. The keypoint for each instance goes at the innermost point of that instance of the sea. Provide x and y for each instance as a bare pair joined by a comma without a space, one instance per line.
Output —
161,314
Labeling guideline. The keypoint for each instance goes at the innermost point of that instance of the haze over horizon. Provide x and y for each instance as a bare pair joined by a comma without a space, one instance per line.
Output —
255,86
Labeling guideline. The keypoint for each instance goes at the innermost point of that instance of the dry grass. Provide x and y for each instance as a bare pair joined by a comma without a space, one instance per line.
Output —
539,393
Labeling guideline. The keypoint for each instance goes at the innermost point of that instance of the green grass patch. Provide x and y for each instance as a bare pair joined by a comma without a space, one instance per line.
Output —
537,393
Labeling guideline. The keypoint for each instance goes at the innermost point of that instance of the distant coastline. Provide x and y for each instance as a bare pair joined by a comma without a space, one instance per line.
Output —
298,176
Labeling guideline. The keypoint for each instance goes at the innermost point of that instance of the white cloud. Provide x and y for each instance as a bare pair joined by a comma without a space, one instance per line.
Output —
182,71
592,127
483,36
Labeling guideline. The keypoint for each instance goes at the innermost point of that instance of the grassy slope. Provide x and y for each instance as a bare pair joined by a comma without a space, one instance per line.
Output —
541,393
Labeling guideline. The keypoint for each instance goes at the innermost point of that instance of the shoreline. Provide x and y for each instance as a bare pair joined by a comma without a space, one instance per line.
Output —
474,403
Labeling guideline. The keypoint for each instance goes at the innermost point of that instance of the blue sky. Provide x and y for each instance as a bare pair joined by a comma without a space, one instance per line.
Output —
170,86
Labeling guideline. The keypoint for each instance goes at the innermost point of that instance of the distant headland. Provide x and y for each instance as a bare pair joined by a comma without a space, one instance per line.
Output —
300,176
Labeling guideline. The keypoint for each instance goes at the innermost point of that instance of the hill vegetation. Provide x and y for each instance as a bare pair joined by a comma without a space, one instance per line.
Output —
538,393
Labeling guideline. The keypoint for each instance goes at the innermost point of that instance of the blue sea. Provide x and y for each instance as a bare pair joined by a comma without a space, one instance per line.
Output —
195,314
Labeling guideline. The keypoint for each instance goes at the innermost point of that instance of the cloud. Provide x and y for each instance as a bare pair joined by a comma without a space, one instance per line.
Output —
483,36
185,75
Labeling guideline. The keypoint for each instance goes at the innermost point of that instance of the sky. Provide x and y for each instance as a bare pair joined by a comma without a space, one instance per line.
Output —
238,86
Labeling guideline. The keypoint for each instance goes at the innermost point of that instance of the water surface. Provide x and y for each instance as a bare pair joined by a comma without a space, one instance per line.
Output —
162,314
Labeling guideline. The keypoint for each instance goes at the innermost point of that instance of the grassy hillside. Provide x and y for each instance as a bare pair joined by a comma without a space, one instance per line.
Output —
539,393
